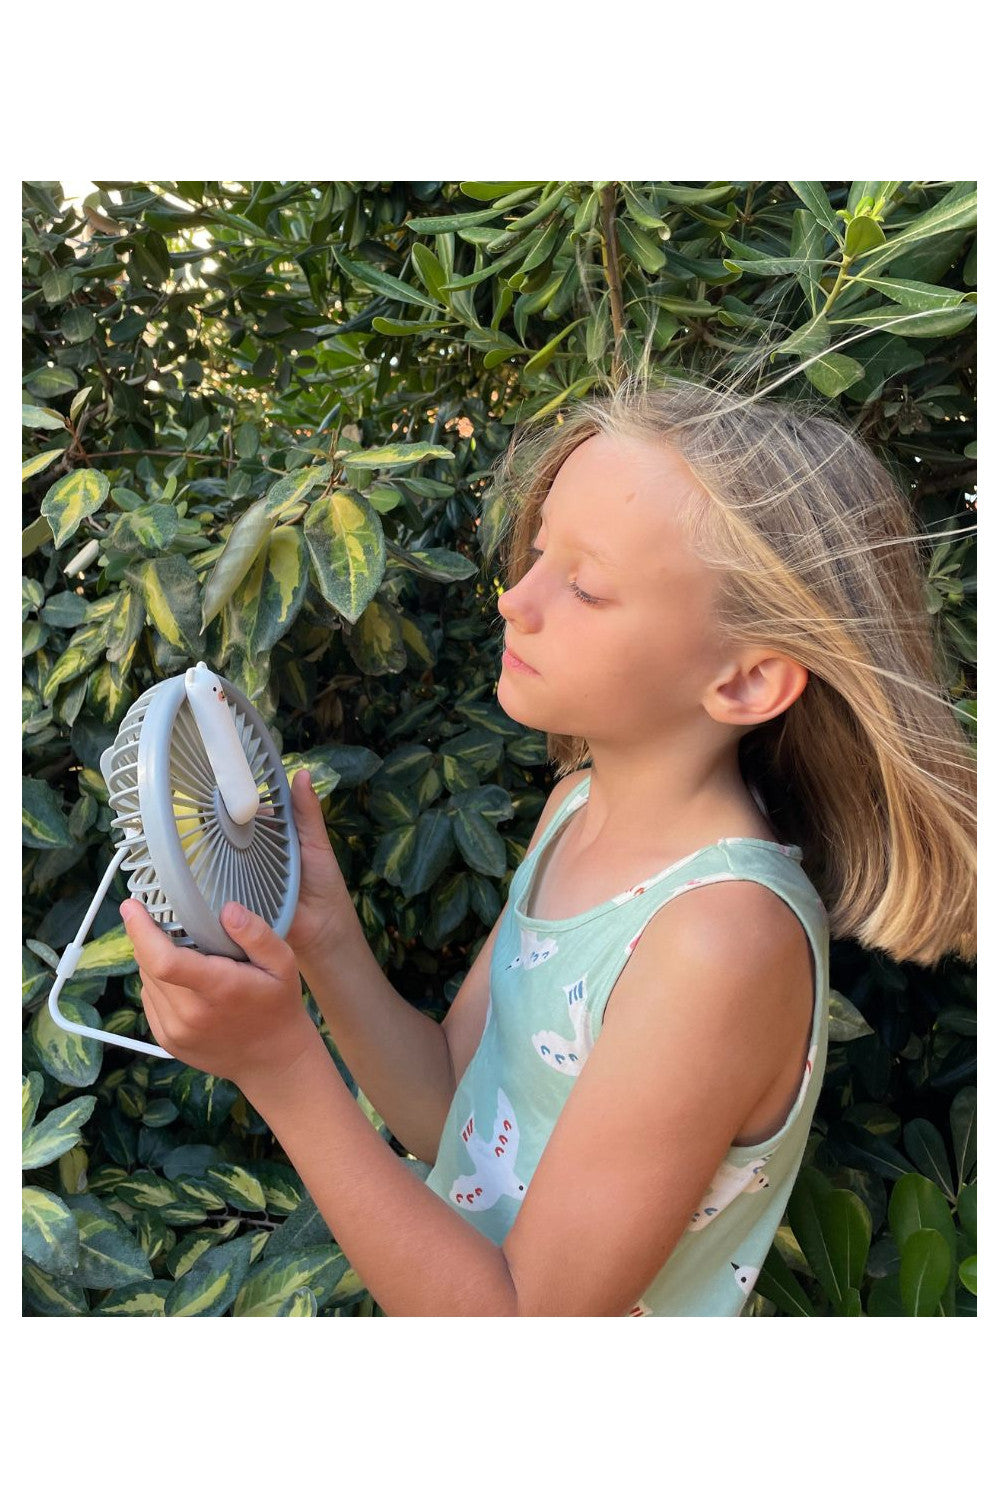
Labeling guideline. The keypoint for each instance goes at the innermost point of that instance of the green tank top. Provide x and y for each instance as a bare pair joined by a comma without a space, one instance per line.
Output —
549,985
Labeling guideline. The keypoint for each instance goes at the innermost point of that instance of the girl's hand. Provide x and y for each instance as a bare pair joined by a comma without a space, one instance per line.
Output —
325,916
241,1021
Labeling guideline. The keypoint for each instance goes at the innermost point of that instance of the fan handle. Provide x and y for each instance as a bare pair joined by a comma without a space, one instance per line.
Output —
217,727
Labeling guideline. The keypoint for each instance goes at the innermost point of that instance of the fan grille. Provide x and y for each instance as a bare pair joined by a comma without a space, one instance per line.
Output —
225,862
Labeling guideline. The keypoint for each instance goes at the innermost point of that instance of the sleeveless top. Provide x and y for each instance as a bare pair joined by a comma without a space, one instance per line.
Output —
550,982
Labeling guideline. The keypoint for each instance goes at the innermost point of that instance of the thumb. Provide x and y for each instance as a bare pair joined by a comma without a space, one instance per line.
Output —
261,944
309,818
310,823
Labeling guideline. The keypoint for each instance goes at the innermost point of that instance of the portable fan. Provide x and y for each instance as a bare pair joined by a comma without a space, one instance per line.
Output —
204,811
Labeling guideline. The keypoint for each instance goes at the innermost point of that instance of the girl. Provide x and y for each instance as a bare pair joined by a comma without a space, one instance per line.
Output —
716,614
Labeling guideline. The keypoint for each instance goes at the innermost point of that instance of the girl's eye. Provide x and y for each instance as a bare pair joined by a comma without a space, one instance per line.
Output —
584,598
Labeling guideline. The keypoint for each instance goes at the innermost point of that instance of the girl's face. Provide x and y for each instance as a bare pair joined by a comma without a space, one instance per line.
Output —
635,663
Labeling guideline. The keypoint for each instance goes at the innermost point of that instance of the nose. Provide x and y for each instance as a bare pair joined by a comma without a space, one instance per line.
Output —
515,604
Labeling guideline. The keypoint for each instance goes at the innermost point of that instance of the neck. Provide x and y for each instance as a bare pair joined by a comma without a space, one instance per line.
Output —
637,794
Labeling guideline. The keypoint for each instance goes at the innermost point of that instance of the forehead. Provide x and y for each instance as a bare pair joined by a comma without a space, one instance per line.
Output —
626,498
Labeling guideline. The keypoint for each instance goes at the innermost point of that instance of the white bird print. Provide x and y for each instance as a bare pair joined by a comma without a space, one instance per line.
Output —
745,1277
494,1160
535,950
563,1054
728,1182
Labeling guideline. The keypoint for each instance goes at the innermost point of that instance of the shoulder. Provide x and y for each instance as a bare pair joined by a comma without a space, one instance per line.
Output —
733,954
728,919
560,793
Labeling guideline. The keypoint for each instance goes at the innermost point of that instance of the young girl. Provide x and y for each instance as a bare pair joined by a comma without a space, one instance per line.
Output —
715,611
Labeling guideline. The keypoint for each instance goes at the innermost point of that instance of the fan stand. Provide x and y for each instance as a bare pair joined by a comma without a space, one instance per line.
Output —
67,967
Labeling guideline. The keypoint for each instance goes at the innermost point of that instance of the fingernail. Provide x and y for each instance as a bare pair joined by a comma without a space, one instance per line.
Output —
236,915
124,912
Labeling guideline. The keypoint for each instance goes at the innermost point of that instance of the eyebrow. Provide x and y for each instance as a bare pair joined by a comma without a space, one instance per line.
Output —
594,552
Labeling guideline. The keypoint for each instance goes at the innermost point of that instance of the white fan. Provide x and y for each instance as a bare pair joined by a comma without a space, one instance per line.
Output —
204,810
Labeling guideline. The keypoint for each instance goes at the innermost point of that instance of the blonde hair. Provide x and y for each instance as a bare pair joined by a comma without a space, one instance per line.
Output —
868,770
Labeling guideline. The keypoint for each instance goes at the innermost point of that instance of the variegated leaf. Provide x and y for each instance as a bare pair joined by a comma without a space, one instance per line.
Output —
301,1304
376,642
238,1186
49,1234
111,953
210,1288
190,1249
31,1092
40,416
43,822
393,455
109,1256
71,499
172,595
149,528
284,578
347,545
52,1296
281,1276
64,1055
285,496
58,1132
143,1299
37,465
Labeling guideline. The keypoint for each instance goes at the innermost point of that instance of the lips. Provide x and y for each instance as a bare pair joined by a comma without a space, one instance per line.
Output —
509,648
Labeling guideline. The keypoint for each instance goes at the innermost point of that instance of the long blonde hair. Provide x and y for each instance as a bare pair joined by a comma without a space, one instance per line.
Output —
868,770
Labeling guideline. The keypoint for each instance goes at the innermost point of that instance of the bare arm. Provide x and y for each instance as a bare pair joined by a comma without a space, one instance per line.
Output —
407,1064
694,1034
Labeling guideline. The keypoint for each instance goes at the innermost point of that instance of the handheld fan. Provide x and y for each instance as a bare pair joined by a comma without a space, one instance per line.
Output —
204,811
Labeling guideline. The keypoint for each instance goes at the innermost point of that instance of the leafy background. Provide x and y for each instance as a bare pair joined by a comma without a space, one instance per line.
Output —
259,420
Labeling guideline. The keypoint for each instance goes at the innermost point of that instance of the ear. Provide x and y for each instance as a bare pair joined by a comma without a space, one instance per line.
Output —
756,689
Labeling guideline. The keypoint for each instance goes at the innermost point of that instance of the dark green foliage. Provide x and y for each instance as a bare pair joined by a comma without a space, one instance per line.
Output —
259,420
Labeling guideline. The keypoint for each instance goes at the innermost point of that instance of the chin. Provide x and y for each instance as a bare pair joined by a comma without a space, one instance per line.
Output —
518,712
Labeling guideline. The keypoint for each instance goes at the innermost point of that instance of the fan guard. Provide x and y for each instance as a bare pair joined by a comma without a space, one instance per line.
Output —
186,855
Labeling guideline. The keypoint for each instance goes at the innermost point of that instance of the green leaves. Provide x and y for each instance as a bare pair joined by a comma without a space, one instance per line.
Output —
298,441
288,493
834,1229
43,822
917,1204
170,591
108,1255
813,195
347,547
63,1054
834,373
209,1289
58,1132
271,1288
245,541
924,1270
71,499
41,416
49,1234
846,1021
39,463
368,275
393,455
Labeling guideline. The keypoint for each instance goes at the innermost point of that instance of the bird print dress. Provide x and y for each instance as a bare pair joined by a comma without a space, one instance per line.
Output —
550,982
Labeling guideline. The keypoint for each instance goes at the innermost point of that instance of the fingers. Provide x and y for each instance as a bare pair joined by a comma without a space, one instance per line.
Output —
262,946
161,958
309,820
150,1004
